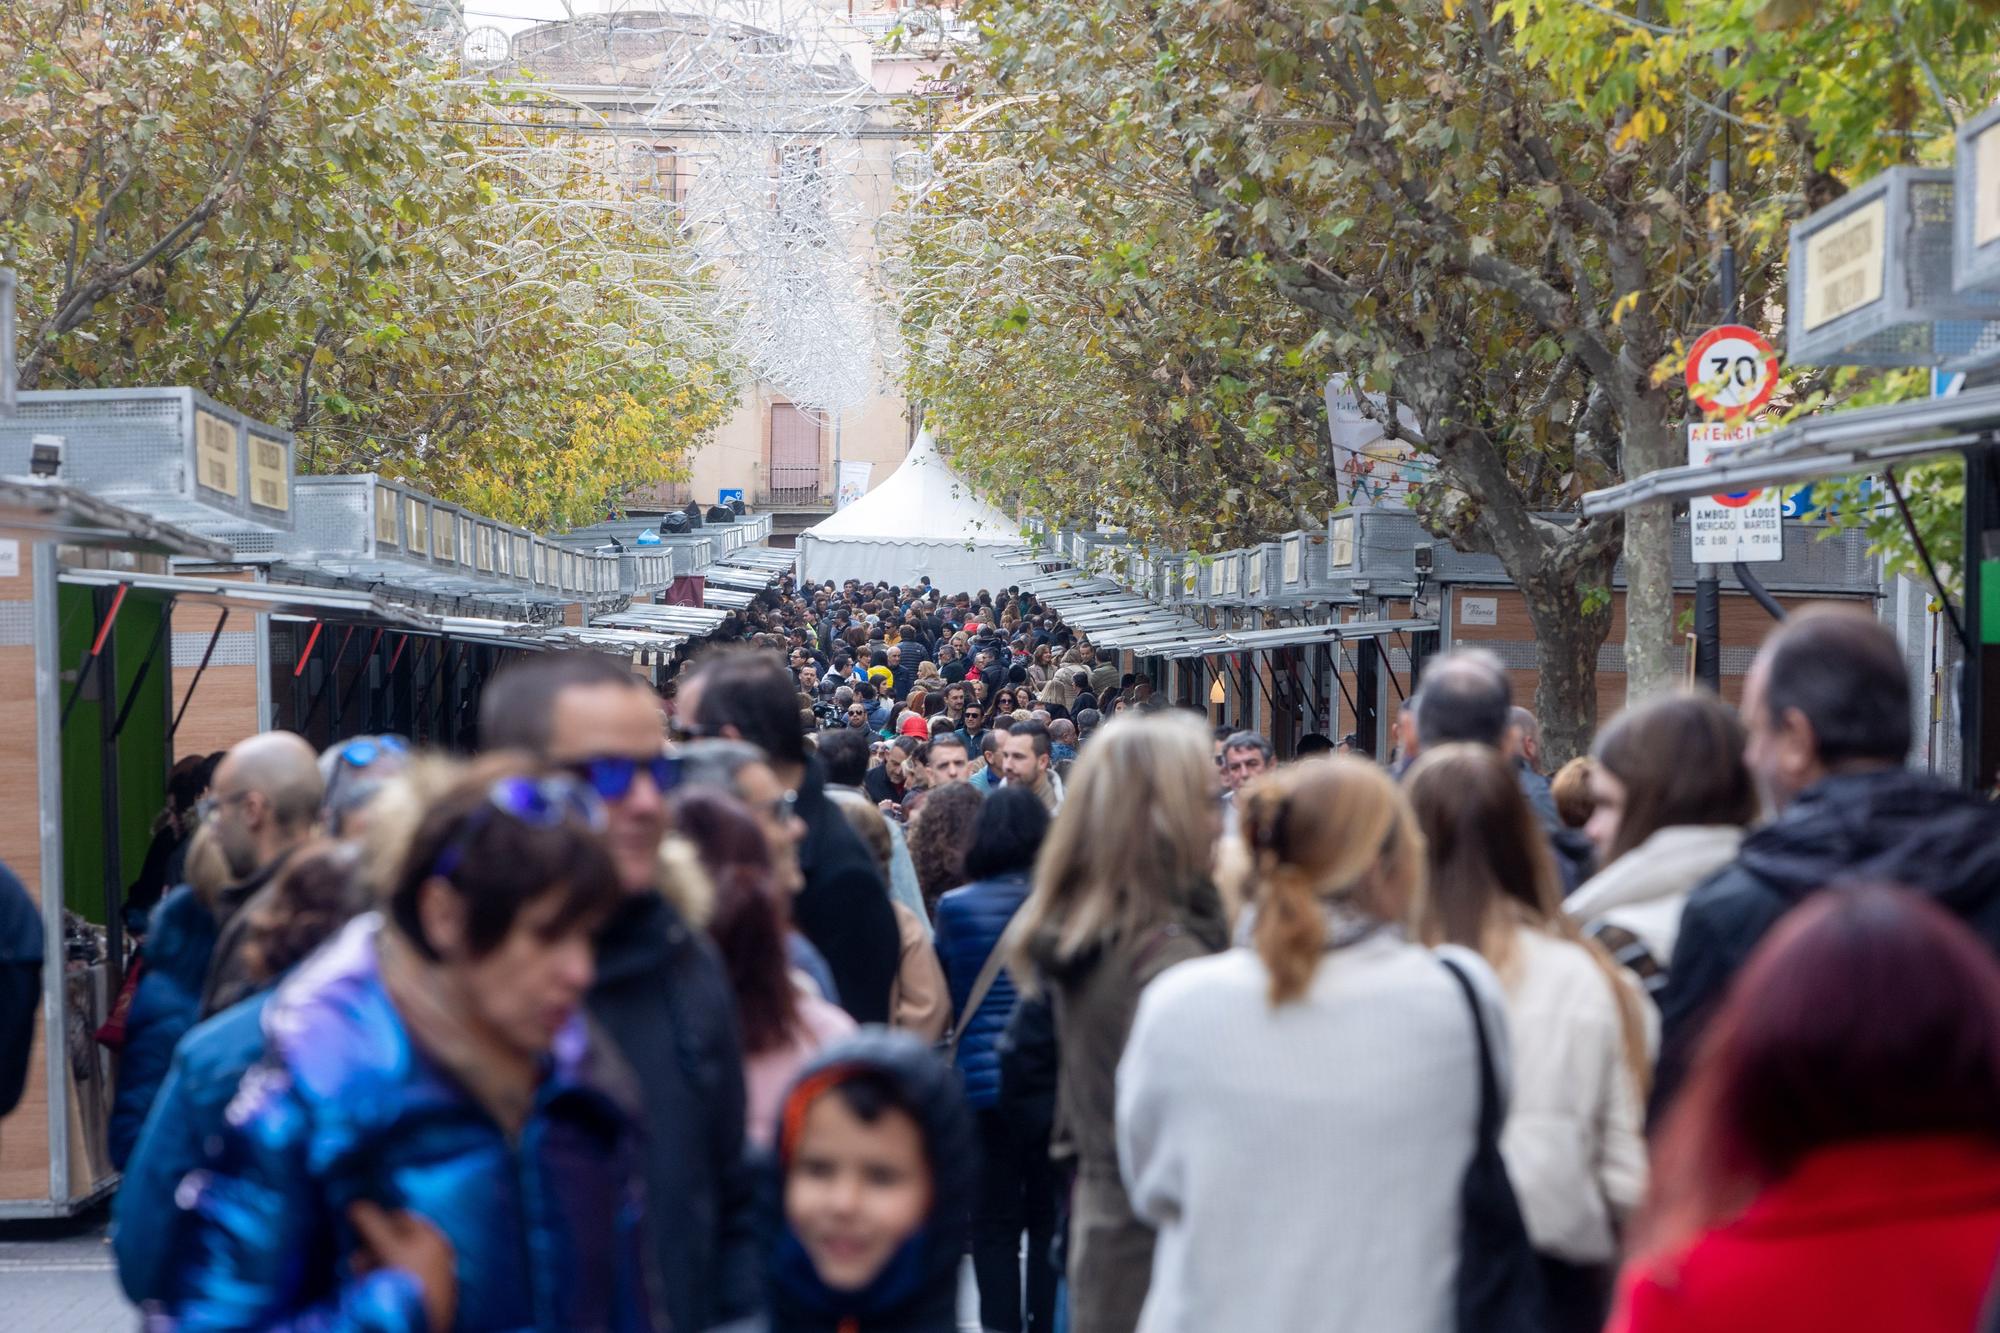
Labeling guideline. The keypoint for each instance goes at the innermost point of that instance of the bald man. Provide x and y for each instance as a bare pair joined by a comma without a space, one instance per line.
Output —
261,806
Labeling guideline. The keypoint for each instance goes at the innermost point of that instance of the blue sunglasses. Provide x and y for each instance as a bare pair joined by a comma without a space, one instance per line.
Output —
538,803
612,776
366,750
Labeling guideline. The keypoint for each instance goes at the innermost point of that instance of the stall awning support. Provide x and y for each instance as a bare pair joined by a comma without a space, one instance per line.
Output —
332,670
96,650
206,653
139,680
305,653
360,676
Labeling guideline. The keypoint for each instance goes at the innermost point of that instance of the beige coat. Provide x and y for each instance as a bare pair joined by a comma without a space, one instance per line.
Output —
919,1000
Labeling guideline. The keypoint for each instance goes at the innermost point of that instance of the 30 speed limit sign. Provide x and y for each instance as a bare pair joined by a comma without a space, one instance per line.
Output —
1732,370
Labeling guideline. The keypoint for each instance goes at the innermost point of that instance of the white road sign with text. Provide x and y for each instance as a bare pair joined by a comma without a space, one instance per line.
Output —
1741,525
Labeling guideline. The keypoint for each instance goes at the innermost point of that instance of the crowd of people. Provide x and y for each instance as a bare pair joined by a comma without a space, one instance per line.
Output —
903,934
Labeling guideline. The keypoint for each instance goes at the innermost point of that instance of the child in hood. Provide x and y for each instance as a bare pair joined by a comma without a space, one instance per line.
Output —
870,1196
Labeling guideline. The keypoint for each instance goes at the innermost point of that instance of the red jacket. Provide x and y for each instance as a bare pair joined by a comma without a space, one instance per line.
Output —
1894,1236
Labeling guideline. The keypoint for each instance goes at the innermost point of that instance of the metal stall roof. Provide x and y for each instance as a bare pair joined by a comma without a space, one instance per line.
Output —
369,530
38,509
1293,636
499,633
693,621
278,599
645,646
173,454
740,578
1859,440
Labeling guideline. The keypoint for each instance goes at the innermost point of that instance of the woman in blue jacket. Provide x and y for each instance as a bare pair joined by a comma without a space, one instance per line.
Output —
434,1140
319,891
1017,1180
167,1000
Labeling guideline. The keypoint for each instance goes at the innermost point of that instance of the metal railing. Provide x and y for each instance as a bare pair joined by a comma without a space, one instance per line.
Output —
815,495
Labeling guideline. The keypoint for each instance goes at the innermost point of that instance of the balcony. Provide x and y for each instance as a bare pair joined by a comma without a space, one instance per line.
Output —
814,496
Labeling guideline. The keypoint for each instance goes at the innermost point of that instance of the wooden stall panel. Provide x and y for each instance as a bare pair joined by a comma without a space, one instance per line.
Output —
20,835
222,712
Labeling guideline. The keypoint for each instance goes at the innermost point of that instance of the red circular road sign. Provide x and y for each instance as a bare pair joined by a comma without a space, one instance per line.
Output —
1737,499
1733,370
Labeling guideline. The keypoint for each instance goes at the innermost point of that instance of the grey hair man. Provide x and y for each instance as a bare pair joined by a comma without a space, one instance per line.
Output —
1245,756
1467,699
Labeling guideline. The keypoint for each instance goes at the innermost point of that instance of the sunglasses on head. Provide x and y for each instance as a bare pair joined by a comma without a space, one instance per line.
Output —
611,776
366,750
536,802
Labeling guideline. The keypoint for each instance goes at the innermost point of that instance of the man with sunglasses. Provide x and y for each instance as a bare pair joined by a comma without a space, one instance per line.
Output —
660,990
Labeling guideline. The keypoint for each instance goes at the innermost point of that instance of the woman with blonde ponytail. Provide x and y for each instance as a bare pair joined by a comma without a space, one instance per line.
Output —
1583,1032
1296,1118
1121,894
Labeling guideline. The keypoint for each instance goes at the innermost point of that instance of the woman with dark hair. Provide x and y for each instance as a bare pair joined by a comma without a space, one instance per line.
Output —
1834,1162
187,782
1672,799
1017,1182
1582,1033
940,836
433,1138
784,1023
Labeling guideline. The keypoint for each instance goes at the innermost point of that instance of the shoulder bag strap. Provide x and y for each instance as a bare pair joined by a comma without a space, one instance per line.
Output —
989,972
1489,1086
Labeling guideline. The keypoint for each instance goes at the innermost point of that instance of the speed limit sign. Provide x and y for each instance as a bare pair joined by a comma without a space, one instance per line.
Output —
1732,370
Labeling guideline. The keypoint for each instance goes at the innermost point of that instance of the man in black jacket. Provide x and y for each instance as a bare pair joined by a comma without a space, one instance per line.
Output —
660,993
1827,711
844,908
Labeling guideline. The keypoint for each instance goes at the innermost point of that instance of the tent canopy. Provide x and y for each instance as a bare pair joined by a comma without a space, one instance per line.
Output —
922,520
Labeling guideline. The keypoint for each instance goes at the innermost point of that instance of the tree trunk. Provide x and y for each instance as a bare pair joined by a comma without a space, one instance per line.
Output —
1567,638
1650,658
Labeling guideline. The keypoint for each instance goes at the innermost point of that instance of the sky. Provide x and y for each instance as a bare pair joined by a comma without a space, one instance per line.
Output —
513,15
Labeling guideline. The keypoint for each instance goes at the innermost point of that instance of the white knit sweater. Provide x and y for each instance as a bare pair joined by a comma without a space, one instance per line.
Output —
1574,1141
1302,1165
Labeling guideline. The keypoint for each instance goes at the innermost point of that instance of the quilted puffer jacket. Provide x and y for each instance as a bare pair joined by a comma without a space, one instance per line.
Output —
970,921
545,1230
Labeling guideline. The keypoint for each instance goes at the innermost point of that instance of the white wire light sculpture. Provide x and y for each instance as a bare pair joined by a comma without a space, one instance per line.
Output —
766,94
725,133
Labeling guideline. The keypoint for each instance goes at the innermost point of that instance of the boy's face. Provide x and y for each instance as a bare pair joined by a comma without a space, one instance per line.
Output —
856,1191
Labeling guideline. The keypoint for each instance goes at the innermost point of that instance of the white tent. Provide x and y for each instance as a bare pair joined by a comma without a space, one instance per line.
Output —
923,520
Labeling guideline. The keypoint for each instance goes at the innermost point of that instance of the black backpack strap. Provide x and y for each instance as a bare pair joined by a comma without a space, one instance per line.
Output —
1489,1084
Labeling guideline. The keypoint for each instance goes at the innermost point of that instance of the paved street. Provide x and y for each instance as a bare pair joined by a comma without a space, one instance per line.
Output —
56,1277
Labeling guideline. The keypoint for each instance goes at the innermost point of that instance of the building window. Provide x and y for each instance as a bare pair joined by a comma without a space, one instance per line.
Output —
794,466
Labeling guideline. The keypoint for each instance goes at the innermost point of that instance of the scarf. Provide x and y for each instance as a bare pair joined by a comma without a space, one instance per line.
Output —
501,1079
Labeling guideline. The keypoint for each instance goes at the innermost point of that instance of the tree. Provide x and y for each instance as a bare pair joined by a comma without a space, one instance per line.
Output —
1504,260
286,204
1091,352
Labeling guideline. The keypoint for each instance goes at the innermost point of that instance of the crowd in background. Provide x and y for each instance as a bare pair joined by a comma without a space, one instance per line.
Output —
905,930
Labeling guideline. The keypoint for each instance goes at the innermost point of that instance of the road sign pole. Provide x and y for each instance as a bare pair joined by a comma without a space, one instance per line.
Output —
1707,579
1708,628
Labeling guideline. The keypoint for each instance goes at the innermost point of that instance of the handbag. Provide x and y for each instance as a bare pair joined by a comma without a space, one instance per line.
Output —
1499,1276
